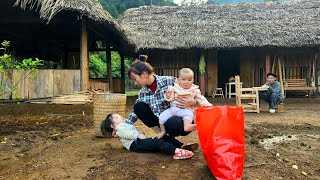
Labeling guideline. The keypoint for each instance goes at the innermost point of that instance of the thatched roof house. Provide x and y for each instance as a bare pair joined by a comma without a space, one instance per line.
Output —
285,24
243,39
91,9
62,32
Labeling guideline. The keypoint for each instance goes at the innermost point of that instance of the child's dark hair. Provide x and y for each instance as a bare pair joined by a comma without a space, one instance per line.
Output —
106,128
140,65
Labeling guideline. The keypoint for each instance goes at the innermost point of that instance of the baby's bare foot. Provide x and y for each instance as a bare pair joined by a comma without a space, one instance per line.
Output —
190,127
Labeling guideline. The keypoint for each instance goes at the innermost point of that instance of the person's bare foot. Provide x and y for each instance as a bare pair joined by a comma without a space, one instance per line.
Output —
161,134
189,127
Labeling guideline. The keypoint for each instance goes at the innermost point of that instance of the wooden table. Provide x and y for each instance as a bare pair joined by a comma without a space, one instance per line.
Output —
260,88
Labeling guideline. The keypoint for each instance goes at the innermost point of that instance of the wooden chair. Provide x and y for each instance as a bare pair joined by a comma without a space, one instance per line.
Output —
218,92
247,94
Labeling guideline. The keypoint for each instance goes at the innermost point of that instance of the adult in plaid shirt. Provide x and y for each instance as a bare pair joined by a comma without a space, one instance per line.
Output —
151,102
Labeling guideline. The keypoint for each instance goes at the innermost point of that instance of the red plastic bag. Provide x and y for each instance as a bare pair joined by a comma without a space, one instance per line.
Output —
221,134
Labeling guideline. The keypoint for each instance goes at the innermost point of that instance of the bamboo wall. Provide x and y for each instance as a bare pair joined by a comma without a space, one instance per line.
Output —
169,62
298,63
40,84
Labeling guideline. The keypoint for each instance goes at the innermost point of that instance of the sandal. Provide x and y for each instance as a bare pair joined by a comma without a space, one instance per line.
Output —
190,146
183,154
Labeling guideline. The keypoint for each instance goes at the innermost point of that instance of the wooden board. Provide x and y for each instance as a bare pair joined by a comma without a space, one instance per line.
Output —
6,83
212,71
41,83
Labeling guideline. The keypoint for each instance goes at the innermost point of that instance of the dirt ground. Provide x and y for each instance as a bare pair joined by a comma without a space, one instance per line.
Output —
58,142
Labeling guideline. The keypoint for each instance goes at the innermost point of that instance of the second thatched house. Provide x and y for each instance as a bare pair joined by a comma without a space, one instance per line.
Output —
244,39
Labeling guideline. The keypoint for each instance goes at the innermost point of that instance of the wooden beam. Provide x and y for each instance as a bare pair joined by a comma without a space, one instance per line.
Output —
103,49
84,56
317,67
123,75
21,19
280,76
109,69
273,64
267,63
92,50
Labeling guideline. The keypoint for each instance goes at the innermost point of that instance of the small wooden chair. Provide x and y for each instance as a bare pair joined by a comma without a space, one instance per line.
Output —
247,94
218,92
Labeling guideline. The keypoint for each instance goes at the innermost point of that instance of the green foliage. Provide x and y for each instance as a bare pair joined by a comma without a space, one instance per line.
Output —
117,7
5,44
191,2
202,65
29,64
98,66
240,1
8,62
212,2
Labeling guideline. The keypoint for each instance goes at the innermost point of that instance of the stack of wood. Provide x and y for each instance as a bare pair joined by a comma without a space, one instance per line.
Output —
82,97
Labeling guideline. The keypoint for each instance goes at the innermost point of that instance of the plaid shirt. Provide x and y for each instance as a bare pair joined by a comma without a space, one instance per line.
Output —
155,100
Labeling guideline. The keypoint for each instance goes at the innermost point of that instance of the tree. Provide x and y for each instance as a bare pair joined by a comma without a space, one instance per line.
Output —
212,2
117,7
192,2
97,67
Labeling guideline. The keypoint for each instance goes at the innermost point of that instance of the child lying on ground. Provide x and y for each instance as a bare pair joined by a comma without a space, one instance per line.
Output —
136,141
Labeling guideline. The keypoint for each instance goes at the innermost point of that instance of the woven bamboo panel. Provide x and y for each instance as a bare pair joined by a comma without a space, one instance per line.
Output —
104,104
39,84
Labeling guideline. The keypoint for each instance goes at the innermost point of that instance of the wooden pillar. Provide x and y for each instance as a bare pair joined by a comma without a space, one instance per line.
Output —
84,56
109,70
123,75
280,76
212,68
66,56
267,63
316,77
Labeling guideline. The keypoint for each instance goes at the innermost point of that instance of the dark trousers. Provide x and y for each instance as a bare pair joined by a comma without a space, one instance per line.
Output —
152,145
174,125
273,99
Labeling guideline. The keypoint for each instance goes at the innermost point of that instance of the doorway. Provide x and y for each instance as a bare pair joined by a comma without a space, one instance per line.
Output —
228,66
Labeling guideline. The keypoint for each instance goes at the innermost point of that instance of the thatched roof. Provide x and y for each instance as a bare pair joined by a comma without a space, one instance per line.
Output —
285,24
49,8
91,9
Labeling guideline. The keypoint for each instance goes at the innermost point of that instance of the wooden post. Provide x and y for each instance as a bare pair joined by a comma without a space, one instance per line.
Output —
123,75
280,76
66,56
273,64
317,93
109,70
84,56
316,74
267,63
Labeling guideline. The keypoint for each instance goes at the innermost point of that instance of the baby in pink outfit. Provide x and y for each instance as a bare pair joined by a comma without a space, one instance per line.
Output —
183,87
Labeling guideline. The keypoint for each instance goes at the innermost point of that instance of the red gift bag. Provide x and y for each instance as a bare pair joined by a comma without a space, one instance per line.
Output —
221,134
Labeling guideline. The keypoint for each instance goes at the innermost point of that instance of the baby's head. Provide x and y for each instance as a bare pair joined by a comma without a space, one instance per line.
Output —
110,123
185,79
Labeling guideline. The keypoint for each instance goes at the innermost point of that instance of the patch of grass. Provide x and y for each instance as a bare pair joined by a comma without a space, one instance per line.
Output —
132,92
